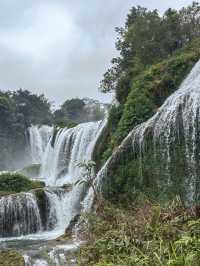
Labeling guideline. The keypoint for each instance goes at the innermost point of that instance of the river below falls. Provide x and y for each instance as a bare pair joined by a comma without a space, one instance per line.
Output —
44,253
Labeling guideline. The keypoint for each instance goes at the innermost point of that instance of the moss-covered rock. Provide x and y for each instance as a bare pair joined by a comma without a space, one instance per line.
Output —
15,183
11,258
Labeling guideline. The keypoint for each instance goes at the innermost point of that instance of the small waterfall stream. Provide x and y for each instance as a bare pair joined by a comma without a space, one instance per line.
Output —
38,137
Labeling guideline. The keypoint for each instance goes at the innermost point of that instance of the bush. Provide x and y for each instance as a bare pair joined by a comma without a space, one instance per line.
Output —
15,182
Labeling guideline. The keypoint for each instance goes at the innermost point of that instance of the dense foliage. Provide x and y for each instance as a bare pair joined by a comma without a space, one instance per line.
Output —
155,54
75,111
146,39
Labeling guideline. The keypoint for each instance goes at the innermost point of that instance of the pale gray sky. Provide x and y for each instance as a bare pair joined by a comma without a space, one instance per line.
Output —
62,47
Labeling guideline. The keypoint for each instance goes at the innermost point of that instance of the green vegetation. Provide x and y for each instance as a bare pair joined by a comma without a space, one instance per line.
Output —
15,182
131,172
11,258
146,39
88,178
156,54
145,234
33,109
153,86
148,92
76,111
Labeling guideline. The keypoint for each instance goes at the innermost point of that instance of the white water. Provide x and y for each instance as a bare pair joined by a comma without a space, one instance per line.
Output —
71,146
59,156
19,214
39,137
59,167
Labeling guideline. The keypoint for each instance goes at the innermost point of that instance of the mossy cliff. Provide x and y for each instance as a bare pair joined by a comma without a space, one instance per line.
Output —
142,163
148,92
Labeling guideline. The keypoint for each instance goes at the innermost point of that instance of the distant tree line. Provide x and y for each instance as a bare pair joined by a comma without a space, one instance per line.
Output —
18,110
147,38
75,111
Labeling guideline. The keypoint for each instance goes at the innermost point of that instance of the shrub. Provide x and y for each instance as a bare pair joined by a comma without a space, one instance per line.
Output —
15,182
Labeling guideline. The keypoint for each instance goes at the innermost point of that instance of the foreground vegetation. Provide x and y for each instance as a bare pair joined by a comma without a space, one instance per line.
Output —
144,234
11,258
15,183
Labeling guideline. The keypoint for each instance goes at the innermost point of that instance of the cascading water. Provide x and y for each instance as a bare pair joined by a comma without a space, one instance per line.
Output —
39,137
70,147
49,211
19,215
59,167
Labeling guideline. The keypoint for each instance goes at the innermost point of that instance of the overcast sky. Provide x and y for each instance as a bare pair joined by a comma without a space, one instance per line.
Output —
62,47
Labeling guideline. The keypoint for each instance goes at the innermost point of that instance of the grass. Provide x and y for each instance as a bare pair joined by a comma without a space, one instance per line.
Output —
11,258
146,234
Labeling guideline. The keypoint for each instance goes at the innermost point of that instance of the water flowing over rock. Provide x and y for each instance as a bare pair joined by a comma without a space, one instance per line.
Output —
39,137
19,215
51,209
65,150
165,150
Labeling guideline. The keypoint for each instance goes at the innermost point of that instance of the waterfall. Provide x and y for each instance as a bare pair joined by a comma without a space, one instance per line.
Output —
59,167
70,146
19,215
50,210
39,137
